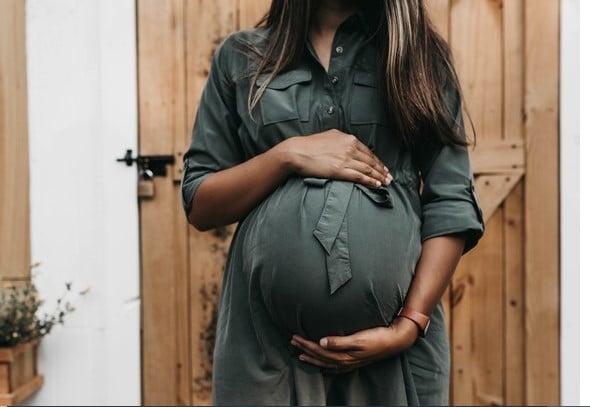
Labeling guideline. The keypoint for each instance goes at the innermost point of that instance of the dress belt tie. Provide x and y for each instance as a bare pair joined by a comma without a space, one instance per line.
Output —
331,230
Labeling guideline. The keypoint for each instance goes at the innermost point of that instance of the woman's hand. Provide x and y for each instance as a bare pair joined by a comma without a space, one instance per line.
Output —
336,155
341,354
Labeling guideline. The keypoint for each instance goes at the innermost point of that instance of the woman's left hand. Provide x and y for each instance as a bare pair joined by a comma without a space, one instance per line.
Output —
341,354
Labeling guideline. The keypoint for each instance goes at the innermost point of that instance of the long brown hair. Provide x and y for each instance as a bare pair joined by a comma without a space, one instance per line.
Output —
415,60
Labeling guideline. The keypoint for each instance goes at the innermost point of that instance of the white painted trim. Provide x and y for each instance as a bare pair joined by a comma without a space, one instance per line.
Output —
570,202
82,92
584,289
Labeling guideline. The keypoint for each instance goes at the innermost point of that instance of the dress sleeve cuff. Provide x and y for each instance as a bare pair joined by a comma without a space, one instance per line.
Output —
450,216
188,190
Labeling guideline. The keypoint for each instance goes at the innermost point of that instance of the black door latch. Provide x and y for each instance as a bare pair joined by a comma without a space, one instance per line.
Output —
156,164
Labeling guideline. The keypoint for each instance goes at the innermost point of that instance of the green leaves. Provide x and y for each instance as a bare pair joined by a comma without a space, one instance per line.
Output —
19,313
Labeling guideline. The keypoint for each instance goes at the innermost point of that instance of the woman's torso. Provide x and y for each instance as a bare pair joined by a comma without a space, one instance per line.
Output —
327,256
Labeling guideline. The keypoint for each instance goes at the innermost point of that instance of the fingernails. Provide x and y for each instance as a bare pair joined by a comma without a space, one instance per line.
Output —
378,183
324,342
301,357
385,168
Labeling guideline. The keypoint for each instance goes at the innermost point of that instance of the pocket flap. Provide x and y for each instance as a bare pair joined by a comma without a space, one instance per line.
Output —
365,78
286,79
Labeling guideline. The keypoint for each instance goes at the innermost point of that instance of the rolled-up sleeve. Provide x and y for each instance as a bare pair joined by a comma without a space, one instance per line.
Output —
449,200
215,145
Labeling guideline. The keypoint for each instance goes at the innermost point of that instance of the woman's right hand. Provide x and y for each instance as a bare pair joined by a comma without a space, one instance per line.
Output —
335,155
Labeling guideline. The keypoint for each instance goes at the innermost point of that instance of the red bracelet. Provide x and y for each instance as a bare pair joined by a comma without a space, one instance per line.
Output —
420,319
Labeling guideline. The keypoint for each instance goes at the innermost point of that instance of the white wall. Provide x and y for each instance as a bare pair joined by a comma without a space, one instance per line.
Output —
81,69
584,242
570,201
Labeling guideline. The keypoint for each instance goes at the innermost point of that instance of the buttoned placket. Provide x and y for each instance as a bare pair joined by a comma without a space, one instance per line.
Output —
331,230
332,115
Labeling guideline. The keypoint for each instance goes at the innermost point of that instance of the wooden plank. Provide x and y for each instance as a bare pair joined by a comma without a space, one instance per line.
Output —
207,23
162,120
493,189
9,354
251,12
478,322
478,289
498,156
476,30
439,13
22,392
15,254
541,201
513,43
514,296
4,378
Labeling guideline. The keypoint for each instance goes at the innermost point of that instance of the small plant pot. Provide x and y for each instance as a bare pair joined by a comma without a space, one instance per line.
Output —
18,373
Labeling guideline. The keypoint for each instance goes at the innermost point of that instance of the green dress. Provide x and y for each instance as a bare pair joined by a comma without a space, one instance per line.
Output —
318,256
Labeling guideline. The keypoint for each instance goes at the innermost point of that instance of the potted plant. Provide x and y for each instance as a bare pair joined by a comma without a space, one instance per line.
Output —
21,329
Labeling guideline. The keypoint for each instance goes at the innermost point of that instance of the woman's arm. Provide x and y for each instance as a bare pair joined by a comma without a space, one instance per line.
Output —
439,258
438,261
229,195
452,223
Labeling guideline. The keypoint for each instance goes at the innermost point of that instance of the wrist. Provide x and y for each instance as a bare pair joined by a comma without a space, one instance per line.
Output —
286,155
406,329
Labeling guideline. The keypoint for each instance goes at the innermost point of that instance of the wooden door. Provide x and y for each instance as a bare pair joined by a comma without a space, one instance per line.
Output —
503,304
15,248
181,268
502,307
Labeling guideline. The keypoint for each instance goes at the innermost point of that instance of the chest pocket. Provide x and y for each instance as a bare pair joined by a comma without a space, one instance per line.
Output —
367,104
287,97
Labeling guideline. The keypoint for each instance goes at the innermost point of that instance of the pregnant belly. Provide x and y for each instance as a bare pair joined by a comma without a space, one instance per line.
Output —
331,257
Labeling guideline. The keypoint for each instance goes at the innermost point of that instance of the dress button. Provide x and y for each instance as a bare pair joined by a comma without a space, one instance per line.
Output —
335,80
331,110
339,50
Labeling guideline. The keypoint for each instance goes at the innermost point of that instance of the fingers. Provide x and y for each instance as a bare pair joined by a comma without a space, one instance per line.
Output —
360,167
316,351
341,343
371,164
355,175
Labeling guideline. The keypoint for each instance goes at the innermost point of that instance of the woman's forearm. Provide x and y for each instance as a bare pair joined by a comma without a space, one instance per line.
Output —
229,195
439,258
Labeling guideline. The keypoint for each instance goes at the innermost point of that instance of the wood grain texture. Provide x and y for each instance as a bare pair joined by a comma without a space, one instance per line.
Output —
18,372
4,378
478,288
513,44
15,252
493,190
476,42
439,13
498,156
207,24
541,198
162,121
478,347
251,12
22,393
514,297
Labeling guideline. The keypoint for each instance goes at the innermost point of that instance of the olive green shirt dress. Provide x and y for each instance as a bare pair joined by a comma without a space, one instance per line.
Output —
319,256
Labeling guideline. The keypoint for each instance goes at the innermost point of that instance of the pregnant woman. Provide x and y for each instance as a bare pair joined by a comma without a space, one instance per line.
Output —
333,133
